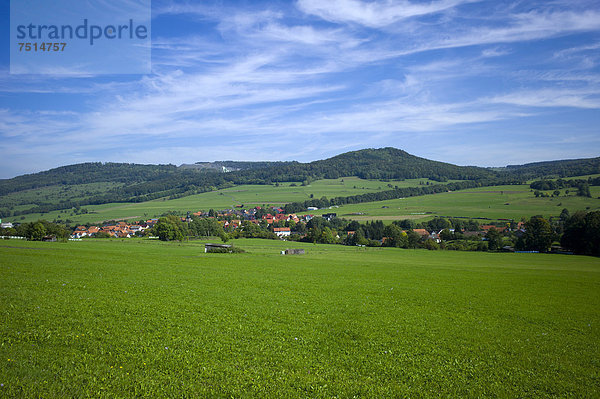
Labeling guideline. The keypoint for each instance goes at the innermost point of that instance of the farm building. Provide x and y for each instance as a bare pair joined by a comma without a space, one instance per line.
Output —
293,252
328,216
282,231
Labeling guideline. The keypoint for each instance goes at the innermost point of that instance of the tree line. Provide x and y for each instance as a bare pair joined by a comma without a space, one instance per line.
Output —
395,193
559,169
582,185
36,231
579,233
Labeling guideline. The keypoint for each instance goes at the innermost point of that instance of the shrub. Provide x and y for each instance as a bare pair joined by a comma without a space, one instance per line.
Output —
431,245
231,250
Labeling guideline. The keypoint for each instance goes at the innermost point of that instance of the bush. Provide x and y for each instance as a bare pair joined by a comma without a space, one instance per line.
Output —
431,245
457,246
231,250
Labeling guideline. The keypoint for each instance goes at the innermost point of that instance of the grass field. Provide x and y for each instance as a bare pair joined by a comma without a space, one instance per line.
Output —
111,318
28,199
249,195
496,202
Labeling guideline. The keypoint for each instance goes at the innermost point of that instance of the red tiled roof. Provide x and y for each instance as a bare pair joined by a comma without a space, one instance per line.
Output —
487,227
421,232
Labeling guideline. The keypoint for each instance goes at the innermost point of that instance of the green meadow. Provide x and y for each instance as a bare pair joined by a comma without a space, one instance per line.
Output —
249,195
496,202
28,199
140,318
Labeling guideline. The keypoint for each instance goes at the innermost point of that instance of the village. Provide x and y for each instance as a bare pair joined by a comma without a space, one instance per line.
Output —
229,219
293,226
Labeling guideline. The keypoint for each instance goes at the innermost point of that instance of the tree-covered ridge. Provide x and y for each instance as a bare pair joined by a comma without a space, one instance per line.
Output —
392,163
147,182
139,183
564,168
90,172
383,163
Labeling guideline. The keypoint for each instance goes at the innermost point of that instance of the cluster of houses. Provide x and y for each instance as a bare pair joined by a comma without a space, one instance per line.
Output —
251,215
274,214
119,229
229,219
232,219
435,235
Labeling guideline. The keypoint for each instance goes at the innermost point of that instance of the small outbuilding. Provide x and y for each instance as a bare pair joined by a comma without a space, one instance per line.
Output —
293,252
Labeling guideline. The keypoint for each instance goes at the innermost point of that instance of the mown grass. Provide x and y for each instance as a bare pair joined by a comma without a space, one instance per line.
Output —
108,318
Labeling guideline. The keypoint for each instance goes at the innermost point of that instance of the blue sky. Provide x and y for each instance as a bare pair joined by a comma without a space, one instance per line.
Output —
486,83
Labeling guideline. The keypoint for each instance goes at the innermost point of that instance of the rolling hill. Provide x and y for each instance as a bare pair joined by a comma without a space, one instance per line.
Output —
97,183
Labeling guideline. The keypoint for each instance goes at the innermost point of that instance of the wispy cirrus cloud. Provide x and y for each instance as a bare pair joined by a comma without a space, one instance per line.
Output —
310,79
575,98
375,14
530,26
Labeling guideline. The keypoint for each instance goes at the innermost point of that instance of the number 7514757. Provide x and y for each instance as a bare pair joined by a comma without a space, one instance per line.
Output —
42,46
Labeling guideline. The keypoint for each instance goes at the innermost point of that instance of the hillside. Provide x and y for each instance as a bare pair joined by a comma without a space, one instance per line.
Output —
565,168
91,172
230,166
97,183
383,163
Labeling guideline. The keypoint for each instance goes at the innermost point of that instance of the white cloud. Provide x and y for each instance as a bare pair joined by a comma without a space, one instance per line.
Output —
533,25
375,14
520,28
277,77
494,52
574,98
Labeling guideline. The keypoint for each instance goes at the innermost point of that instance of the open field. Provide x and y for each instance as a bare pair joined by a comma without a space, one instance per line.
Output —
28,199
249,195
112,318
496,202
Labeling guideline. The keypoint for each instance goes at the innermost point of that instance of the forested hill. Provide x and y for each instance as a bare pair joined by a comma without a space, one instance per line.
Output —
383,163
91,172
137,183
566,168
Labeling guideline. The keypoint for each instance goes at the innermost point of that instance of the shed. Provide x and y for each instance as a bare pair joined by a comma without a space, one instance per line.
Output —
293,252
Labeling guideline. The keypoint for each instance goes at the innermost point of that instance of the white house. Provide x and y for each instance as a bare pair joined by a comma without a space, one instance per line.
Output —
282,231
